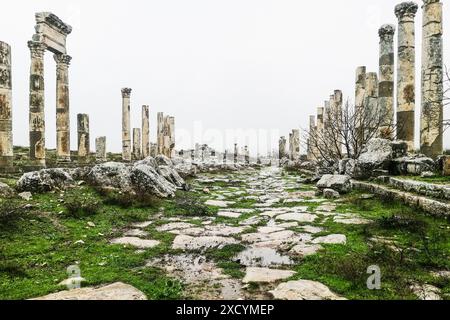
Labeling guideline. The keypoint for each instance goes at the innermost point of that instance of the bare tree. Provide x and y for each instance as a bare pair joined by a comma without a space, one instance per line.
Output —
346,131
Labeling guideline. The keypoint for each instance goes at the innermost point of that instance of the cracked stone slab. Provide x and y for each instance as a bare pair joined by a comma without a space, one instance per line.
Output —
184,242
265,275
331,239
136,242
261,257
142,225
136,233
312,229
115,291
303,290
174,226
299,217
304,250
229,214
218,203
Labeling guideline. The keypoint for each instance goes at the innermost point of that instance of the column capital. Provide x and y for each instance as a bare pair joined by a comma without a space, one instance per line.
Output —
37,49
428,2
62,59
406,10
386,32
126,92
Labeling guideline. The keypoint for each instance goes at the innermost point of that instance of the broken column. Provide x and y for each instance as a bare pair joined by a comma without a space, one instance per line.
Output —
136,144
100,149
236,153
225,155
62,107
126,131
386,81
145,131
36,115
371,115
360,92
83,136
406,92
431,118
282,148
6,141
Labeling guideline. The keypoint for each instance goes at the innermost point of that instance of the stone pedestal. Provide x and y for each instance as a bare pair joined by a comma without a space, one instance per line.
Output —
83,136
145,131
386,81
37,98
136,144
406,85
62,107
100,149
431,119
126,130
6,138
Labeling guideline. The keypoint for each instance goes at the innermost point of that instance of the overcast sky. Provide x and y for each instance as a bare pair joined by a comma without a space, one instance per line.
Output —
218,66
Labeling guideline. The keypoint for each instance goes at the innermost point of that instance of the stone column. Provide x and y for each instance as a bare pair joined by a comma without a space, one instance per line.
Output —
37,104
136,144
236,152
160,133
225,155
6,140
83,136
295,144
145,131
282,148
62,107
360,93
431,118
247,155
171,128
100,149
386,80
126,130
406,77
193,155
371,106
312,133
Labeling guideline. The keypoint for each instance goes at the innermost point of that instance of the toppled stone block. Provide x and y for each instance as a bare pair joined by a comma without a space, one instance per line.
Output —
414,165
45,180
331,194
5,190
339,183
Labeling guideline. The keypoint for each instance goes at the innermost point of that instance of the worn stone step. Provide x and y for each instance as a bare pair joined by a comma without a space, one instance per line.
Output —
428,205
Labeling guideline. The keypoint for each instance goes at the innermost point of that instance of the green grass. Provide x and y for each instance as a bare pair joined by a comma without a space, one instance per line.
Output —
422,245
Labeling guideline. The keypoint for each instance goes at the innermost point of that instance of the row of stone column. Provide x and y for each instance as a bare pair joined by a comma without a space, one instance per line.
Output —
140,146
374,92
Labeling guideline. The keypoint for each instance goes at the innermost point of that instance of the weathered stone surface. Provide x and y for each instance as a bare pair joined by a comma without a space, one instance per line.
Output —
339,183
6,138
304,250
45,180
136,155
406,75
264,275
136,242
145,132
432,115
426,292
5,190
83,136
378,155
145,179
261,257
439,191
126,127
331,239
331,194
115,291
100,149
414,165
299,217
184,242
303,290
111,174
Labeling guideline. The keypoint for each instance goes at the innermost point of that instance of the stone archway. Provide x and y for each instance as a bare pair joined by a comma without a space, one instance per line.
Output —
51,34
